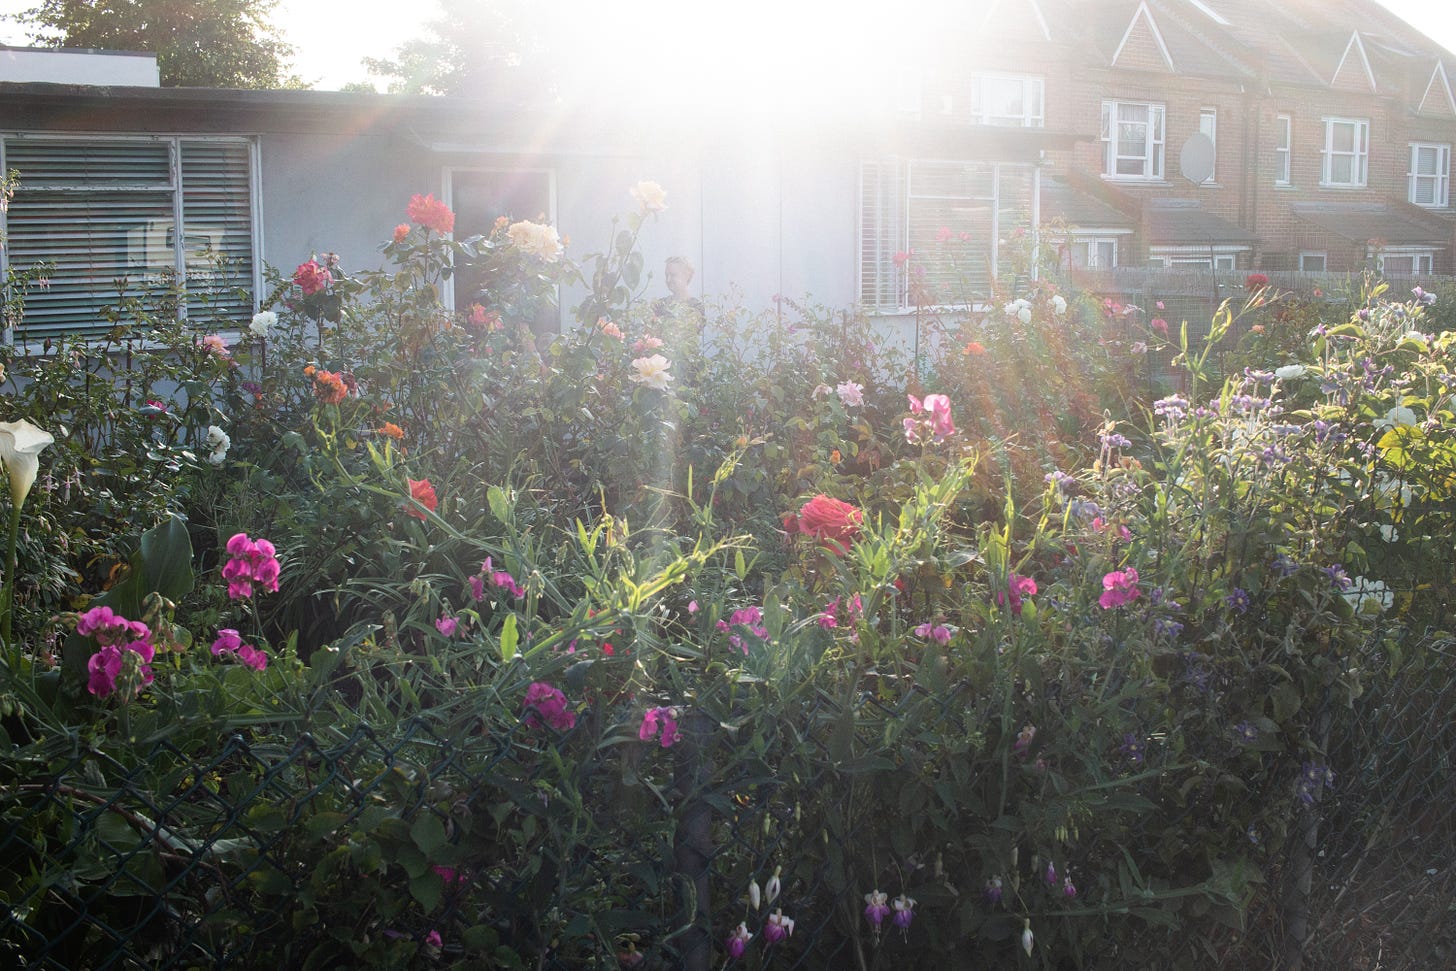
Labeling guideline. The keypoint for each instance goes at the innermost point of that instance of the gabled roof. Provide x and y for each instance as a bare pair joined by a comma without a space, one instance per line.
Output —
1347,72
1143,28
1438,98
1015,17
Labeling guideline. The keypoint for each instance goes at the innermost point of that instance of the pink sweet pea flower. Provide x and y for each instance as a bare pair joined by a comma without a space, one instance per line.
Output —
1119,587
939,633
664,717
447,625
549,703
1017,587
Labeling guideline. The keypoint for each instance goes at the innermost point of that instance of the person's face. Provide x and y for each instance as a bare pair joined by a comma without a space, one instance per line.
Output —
678,278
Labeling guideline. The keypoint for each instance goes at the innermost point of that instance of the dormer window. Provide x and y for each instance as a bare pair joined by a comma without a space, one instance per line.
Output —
1008,100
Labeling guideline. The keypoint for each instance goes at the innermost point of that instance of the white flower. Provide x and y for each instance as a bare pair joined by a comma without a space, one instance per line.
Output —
1027,940
1389,533
754,897
219,442
20,446
1289,372
538,240
820,390
652,371
1024,315
1364,591
650,196
1399,415
851,393
771,889
1059,303
262,322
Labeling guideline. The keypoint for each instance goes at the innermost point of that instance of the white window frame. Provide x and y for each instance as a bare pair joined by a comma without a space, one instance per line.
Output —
1309,255
1223,257
173,186
1422,259
1155,136
1439,181
1091,241
1284,150
1359,155
1208,125
1033,100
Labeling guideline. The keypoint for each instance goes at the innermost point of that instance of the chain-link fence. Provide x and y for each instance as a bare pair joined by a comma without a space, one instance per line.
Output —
220,860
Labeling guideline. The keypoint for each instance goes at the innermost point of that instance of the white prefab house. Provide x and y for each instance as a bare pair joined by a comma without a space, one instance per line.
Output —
125,186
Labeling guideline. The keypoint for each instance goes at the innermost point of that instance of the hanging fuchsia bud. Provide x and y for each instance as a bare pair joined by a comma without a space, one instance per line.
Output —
1028,941
1069,889
1051,874
993,891
771,889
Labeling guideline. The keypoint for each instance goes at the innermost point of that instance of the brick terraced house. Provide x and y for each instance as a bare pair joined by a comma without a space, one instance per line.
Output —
1320,131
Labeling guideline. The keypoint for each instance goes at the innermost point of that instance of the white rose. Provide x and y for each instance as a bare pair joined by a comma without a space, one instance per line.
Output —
1024,315
538,240
652,371
1289,372
263,321
1059,303
219,442
650,196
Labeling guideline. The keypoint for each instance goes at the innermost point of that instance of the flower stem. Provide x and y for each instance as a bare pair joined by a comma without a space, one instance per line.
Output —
7,604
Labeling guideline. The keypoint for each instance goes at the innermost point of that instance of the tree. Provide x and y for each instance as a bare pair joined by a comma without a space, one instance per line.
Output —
477,49
198,43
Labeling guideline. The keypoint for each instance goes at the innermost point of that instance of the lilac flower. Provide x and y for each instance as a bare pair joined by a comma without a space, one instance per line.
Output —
1238,601
1422,297
1338,577
904,911
777,928
876,909
1246,732
1313,777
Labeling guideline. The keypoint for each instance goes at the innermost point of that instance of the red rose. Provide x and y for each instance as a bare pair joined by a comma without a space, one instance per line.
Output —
423,493
832,522
311,278
431,213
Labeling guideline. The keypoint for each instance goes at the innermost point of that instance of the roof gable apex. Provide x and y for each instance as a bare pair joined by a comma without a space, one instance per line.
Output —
1438,98
1356,44
1002,6
1146,16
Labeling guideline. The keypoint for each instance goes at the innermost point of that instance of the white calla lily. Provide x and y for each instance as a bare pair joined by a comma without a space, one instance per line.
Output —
20,446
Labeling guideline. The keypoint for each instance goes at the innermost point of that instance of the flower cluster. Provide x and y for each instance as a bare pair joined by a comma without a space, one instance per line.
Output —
311,278
878,906
263,322
830,618
229,643
218,441
1120,587
330,388
251,561
928,418
549,703
1017,588
431,213
500,579
118,638
664,718
939,633
749,617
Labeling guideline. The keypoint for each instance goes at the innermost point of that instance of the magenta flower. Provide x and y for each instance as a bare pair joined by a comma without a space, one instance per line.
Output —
1024,738
777,928
1017,587
501,579
939,633
1051,874
433,939
1119,588
252,561
229,643
107,665
737,942
666,718
877,908
993,891
109,627
447,625
549,703
936,420
1069,889
904,911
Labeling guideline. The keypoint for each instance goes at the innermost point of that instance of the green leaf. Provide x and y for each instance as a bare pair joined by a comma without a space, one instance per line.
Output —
508,638
427,889
428,833
499,507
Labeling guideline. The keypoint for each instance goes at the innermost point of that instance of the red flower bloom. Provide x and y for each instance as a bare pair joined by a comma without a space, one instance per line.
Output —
1255,281
423,493
311,278
400,232
830,521
431,213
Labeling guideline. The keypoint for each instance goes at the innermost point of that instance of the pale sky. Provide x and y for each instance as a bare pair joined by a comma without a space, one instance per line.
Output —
331,37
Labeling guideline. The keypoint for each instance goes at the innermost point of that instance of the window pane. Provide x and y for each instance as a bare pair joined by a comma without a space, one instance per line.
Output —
1342,137
1342,169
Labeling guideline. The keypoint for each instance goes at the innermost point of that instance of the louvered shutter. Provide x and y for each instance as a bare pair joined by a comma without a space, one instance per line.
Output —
217,215
882,235
101,213
950,227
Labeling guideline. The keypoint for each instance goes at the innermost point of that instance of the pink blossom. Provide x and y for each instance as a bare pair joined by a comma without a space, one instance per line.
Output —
737,942
1017,587
106,665
548,702
215,345
939,633
501,579
433,939
447,625
109,627
229,643
938,421
1160,325
1119,587
252,561
666,718
777,928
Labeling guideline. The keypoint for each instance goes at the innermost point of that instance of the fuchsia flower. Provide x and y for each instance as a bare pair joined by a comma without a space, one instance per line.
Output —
877,908
904,911
253,561
1119,587
777,928
655,717
549,703
750,617
737,942
433,939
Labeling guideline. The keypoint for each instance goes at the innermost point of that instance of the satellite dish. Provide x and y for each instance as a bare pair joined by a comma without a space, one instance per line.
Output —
1196,159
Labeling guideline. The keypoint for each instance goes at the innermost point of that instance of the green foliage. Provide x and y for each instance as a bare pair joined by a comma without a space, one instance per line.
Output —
1083,667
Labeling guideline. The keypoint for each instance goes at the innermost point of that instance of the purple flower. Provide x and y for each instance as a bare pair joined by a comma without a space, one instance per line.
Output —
904,911
777,928
447,625
1246,733
1134,748
1023,741
939,633
877,908
1069,889
993,891
1238,601
1051,874
737,942
1338,577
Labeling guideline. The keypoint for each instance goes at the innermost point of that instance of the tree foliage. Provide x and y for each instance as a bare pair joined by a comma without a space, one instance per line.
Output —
198,43
473,49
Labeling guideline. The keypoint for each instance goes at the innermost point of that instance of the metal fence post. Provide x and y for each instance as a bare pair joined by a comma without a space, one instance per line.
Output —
692,842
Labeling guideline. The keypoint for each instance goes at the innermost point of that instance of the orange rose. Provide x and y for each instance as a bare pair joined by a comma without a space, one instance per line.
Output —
830,521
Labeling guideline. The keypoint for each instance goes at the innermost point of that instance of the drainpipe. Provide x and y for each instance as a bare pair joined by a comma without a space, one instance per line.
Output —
1250,194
